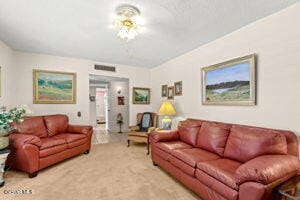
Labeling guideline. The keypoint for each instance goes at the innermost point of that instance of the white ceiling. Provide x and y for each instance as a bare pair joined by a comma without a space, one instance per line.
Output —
80,28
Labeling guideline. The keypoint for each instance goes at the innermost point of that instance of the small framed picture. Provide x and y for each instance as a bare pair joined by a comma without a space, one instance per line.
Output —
171,92
164,90
178,88
141,95
121,101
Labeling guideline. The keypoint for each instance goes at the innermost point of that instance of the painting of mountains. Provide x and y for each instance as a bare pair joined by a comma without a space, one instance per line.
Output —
231,82
54,87
141,95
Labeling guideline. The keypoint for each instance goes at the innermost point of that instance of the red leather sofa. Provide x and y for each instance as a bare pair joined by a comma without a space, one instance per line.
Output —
225,161
41,141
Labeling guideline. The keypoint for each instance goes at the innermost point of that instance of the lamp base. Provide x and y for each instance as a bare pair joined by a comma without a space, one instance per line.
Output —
166,123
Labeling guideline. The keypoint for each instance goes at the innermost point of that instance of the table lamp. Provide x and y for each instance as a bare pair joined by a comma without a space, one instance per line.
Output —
166,109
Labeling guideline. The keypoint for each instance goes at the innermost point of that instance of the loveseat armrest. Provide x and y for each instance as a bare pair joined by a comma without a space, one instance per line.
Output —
267,169
80,129
164,136
18,140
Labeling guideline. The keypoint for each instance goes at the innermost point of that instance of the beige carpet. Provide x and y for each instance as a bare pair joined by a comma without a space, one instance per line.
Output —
110,172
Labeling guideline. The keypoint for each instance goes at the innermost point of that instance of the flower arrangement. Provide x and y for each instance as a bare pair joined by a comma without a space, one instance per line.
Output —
7,116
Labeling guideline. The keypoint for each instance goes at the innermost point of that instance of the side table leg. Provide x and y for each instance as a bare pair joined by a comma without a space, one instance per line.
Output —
148,145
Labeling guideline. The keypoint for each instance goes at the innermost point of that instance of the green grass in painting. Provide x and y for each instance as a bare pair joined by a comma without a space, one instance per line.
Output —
54,90
239,93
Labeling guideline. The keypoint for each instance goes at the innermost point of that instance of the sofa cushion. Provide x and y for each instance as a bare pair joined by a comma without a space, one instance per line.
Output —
72,139
216,185
222,169
56,124
51,142
213,136
245,143
169,146
161,153
77,143
182,166
194,155
53,150
188,132
32,126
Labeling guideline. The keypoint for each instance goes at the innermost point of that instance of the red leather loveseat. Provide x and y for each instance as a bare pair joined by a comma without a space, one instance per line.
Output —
224,161
41,141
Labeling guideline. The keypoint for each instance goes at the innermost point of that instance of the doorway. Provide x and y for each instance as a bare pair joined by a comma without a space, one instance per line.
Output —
109,99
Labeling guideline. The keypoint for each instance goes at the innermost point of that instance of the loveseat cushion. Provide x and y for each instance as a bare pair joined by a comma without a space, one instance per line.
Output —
32,126
51,142
169,146
72,139
53,150
194,155
188,132
213,136
56,124
222,169
245,143
187,169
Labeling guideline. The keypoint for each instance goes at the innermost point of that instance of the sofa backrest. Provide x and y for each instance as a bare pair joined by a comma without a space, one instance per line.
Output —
275,135
245,143
213,137
32,126
188,131
56,124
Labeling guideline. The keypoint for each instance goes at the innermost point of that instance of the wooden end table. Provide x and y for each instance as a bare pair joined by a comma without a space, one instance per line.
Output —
288,189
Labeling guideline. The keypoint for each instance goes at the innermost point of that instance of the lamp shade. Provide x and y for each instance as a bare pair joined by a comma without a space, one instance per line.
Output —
166,108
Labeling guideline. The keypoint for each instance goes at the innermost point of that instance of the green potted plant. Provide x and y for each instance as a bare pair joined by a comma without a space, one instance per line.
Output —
7,117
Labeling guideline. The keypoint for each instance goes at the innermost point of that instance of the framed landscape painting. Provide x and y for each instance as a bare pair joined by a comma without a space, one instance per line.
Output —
50,87
141,95
230,83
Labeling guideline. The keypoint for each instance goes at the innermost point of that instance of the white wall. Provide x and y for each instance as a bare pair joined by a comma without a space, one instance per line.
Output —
92,104
276,41
115,109
25,62
8,76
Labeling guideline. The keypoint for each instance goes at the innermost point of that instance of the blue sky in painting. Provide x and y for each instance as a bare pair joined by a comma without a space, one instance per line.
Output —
238,72
53,76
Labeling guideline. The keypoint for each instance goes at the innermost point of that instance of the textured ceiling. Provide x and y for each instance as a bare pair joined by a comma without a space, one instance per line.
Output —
80,28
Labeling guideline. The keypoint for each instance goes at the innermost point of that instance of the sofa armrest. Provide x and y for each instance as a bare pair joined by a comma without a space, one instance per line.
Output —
268,168
18,140
80,129
164,136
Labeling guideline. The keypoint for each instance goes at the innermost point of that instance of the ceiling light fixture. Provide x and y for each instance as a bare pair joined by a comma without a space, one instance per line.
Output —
126,22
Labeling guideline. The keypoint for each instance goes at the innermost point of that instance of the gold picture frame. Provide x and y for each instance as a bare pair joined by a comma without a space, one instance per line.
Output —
164,90
54,87
178,88
141,95
171,92
230,83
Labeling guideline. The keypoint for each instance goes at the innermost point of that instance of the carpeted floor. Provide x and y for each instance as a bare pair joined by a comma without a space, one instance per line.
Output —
110,172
